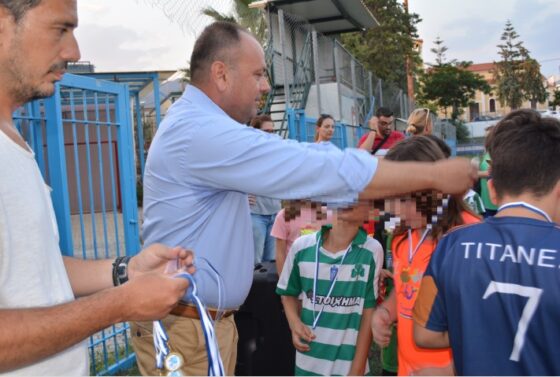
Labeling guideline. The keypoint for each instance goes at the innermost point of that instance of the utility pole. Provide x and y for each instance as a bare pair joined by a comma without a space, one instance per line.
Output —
409,78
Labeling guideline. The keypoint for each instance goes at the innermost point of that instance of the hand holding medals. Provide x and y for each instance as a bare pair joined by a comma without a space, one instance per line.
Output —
171,362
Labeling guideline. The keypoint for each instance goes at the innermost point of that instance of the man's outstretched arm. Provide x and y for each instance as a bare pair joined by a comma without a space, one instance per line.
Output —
454,176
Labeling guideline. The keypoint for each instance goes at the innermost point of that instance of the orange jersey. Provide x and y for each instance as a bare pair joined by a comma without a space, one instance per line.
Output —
407,277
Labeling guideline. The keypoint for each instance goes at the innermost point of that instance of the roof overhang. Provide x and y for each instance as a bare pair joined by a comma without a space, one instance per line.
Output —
136,81
327,16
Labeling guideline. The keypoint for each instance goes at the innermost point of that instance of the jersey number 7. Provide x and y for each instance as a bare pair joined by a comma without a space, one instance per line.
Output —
533,294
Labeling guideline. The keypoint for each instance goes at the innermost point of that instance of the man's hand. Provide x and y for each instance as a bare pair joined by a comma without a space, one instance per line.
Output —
383,275
454,176
301,336
157,257
381,326
252,200
373,124
150,296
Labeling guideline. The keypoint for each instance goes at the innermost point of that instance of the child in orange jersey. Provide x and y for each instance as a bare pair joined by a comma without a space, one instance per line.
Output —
421,219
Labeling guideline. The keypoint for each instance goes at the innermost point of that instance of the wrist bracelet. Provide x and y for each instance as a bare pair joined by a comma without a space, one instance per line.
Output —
120,270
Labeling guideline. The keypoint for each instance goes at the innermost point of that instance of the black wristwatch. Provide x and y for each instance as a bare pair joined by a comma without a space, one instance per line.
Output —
120,270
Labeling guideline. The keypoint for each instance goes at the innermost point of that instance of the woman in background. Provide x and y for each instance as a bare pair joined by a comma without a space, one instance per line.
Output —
324,128
419,122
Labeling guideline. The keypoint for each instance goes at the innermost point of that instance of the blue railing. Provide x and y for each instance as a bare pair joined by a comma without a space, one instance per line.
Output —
302,128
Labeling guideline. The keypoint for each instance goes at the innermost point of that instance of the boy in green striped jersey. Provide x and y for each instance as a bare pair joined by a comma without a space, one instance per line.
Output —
328,288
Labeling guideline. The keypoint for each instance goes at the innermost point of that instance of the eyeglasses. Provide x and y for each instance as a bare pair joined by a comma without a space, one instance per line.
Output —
269,131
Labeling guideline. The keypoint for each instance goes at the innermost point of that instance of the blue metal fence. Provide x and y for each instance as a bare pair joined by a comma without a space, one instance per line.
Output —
83,143
302,128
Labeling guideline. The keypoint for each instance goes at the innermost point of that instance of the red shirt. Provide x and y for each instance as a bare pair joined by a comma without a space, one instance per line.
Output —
393,138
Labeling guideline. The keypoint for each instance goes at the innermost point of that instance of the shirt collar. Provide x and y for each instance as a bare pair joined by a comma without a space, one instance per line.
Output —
358,240
196,96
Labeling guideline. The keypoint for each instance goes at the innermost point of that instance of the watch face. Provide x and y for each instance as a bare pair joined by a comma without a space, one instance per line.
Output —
173,362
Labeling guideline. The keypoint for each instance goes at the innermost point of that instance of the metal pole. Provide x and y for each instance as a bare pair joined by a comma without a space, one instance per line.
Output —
317,70
337,73
57,171
370,85
401,105
140,132
409,78
354,95
157,104
380,84
284,63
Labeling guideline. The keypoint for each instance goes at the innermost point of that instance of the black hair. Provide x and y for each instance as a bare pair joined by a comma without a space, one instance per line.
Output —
384,112
441,144
425,148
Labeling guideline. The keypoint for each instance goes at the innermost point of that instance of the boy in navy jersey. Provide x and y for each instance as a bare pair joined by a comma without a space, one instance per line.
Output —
491,290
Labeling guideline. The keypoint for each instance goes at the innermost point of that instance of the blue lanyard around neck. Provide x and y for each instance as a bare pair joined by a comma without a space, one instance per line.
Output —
528,206
334,277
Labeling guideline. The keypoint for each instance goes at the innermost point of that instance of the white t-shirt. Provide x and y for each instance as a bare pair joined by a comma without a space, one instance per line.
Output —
32,272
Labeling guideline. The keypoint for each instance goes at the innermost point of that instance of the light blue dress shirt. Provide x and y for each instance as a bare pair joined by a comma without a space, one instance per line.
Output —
200,166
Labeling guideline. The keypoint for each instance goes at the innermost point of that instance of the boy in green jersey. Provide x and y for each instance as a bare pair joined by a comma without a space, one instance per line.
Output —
337,270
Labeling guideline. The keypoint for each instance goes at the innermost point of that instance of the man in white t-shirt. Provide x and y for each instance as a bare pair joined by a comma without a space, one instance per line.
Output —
42,324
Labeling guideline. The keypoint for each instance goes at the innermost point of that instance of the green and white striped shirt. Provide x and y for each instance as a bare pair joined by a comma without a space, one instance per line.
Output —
332,351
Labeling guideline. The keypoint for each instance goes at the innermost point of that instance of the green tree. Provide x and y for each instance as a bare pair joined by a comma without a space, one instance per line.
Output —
450,84
555,98
462,132
251,19
533,82
517,75
439,50
384,49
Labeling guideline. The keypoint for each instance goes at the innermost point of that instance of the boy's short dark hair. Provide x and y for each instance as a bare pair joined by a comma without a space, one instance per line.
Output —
441,144
384,112
524,150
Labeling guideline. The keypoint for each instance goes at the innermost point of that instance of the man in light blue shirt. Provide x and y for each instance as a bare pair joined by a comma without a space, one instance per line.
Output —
204,160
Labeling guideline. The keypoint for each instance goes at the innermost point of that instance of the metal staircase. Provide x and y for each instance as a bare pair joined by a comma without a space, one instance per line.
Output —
299,85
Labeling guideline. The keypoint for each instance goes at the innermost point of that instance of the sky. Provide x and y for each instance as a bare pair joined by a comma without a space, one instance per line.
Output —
133,35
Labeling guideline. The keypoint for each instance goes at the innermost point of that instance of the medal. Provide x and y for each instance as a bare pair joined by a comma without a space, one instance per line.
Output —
175,373
173,362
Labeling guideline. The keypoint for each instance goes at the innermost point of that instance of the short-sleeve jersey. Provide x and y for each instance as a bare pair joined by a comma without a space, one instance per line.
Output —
333,349
408,274
494,287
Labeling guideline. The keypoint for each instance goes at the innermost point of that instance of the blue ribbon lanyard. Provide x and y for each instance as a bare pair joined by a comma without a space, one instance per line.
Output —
412,253
161,339
333,278
528,206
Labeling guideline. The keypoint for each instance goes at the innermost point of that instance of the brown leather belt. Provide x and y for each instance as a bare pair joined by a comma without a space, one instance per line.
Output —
190,311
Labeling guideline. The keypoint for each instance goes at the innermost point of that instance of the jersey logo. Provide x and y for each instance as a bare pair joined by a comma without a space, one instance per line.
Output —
358,271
